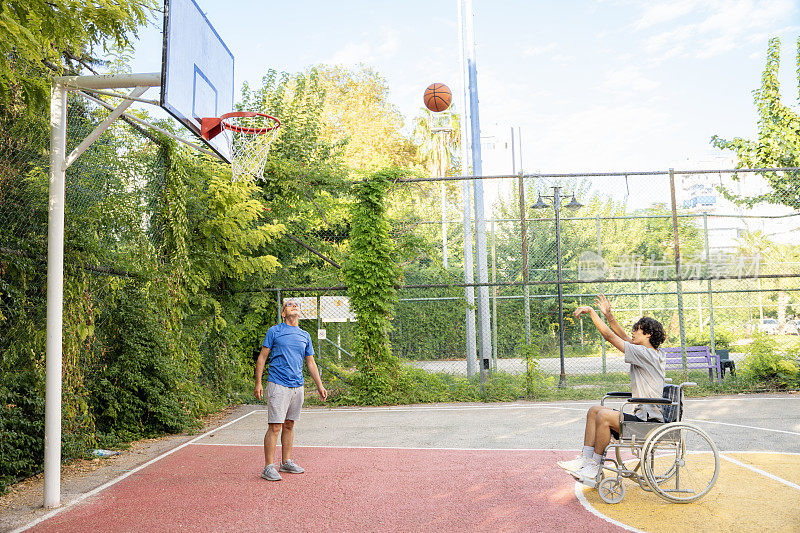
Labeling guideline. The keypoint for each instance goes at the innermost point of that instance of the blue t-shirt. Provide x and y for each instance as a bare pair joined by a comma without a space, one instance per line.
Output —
288,347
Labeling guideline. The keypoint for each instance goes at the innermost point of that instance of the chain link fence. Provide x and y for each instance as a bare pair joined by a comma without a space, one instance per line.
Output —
580,235
736,255
736,252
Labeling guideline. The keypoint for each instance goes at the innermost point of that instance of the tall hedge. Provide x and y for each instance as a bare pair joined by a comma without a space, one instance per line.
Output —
371,276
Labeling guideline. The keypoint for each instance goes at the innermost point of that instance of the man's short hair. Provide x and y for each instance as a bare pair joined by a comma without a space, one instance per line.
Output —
289,301
654,328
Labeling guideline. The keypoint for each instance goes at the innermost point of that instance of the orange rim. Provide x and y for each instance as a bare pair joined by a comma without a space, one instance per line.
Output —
246,130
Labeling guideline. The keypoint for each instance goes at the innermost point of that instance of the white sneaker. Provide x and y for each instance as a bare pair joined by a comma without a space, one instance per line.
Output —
588,474
291,467
575,464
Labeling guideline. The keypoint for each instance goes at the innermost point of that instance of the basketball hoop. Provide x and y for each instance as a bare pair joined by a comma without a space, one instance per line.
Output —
441,122
249,135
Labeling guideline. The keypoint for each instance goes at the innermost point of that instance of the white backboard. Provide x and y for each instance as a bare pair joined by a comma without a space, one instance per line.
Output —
196,70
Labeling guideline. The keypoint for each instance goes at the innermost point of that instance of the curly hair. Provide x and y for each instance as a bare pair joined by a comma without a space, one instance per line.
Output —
654,328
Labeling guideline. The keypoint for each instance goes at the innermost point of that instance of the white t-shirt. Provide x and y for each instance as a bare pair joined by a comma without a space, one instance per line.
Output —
647,377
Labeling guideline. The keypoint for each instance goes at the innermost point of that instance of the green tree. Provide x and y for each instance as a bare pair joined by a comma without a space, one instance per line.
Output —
357,112
40,37
305,185
778,141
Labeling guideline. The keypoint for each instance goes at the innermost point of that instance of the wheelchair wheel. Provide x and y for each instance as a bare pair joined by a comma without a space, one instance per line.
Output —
611,490
680,462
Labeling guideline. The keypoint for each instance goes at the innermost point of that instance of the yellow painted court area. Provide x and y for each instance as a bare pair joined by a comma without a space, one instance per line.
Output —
741,500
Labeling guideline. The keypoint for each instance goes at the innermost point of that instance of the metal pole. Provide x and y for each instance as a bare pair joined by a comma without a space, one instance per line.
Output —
513,156
562,380
678,285
280,318
484,332
600,256
526,291
580,303
469,292
55,296
710,291
319,326
441,170
494,302
639,287
444,227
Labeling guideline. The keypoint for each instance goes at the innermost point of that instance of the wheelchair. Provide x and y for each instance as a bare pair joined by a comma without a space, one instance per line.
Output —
676,460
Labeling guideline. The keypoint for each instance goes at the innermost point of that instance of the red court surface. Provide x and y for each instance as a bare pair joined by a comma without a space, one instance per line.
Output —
219,488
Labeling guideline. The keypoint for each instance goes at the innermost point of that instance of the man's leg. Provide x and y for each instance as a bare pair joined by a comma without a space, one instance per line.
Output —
287,440
587,453
270,441
591,419
605,421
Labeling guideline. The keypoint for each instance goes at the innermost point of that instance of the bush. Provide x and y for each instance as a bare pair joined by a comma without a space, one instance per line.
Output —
535,380
21,427
135,388
723,337
764,365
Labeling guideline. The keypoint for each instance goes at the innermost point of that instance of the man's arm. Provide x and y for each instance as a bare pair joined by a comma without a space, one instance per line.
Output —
260,362
312,369
604,304
601,326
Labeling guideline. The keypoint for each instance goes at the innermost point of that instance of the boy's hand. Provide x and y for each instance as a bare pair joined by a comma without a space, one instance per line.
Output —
323,394
584,309
603,303
259,391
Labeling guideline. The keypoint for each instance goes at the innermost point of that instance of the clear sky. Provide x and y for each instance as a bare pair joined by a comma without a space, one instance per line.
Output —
594,85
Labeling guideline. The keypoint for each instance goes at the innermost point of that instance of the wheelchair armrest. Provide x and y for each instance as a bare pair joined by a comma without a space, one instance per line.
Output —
657,401
614,395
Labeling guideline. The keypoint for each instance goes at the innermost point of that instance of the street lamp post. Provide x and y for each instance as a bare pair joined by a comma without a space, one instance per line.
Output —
573,204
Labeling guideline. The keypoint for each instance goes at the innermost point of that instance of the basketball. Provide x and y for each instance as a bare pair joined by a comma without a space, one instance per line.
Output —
438,97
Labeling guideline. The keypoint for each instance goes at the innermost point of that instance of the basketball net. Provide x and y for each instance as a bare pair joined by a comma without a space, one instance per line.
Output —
249,135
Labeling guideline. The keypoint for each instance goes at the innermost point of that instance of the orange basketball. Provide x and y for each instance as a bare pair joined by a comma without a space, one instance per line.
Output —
438,97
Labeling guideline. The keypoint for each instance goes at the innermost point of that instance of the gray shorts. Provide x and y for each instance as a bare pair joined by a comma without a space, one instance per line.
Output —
283,403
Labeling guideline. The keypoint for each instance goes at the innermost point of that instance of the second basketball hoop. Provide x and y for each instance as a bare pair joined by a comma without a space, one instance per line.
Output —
249,135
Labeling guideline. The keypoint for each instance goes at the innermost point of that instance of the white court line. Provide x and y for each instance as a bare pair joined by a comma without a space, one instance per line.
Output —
759,451
393,447
509,406
579,491
763,473
123,476
693,400
589,507
449,408
741,426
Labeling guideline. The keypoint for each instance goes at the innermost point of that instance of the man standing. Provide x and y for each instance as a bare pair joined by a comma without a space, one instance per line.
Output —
286,346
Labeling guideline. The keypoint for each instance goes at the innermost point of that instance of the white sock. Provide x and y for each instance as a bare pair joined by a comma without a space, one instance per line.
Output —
588,452
598,458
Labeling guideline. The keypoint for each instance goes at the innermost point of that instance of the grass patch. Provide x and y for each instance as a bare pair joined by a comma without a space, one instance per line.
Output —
419,386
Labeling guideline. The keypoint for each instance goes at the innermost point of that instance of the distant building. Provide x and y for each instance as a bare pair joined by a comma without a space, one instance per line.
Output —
727,221
499,159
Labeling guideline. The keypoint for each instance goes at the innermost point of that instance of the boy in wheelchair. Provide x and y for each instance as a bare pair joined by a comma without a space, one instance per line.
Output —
647,381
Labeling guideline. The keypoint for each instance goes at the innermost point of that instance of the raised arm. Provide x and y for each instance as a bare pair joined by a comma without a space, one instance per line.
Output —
604,304
601,326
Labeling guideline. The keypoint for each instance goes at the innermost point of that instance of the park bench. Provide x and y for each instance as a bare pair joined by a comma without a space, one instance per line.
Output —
697,357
